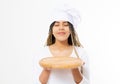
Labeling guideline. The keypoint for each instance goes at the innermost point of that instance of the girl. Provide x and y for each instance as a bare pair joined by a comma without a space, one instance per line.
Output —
63,41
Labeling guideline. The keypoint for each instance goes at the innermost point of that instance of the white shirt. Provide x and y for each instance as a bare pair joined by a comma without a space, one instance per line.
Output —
63,76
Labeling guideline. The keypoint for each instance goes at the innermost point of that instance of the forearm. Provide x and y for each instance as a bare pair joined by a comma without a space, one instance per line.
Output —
44,76
77,75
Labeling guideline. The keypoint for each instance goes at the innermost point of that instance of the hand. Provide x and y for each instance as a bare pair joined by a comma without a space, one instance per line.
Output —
44,76
45,68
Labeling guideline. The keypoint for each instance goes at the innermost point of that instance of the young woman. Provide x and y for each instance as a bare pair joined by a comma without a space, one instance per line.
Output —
62,41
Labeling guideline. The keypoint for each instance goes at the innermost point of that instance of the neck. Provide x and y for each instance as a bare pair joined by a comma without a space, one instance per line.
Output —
61,44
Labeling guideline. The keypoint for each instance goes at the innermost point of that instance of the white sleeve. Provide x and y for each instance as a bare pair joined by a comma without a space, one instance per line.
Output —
36,67
36,70
83,55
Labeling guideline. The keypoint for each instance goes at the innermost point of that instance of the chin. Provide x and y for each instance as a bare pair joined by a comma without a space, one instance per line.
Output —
62,40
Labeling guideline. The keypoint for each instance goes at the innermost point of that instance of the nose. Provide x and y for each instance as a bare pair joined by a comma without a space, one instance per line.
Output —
61,27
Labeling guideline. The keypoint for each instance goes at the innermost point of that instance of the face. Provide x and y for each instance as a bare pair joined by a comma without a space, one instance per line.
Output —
61,30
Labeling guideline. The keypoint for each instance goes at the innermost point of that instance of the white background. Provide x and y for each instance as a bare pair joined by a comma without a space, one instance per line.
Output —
24,27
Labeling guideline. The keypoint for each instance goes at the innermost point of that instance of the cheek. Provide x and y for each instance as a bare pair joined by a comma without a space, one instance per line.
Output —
68,34
54,30
68,31
54,33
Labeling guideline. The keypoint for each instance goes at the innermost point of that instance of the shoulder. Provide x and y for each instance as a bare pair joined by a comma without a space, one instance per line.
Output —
82,52
43,52
44,47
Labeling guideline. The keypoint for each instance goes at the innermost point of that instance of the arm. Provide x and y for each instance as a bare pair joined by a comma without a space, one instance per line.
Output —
84,70
77,75
44,76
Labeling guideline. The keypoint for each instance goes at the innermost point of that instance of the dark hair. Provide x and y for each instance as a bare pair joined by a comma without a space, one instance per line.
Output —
72,39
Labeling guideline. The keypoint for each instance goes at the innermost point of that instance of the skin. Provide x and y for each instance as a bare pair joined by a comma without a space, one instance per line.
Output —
61,47
44,76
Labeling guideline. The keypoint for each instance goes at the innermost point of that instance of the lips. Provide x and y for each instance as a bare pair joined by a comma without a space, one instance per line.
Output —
61,33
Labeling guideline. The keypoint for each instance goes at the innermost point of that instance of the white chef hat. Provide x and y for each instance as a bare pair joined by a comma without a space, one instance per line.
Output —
66,13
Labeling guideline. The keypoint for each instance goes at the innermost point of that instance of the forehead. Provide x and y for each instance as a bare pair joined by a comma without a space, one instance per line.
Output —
61,21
